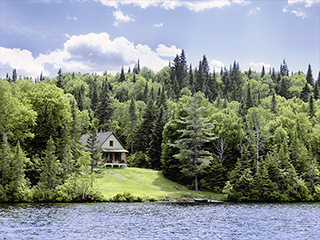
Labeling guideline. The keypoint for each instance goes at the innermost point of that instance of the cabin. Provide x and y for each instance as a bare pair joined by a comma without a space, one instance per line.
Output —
114,154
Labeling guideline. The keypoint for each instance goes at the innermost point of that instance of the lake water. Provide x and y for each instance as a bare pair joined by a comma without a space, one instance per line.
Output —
160,221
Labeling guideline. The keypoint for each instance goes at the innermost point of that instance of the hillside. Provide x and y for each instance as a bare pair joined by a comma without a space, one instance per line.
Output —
146,184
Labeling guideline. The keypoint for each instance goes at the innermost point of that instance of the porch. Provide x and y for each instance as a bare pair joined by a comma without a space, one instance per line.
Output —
111,159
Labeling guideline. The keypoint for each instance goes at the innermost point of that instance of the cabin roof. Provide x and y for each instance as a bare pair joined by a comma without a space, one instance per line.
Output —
101,138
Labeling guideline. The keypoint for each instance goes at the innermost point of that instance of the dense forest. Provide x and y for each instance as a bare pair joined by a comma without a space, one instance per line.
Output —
254,136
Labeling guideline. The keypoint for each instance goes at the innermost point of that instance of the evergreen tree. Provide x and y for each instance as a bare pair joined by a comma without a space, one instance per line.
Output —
236,83
50,170
309,76
94,95
284,88
14,75
133,119
5,159
59,79
304,95
93,148
145,93
316,91
80,99
143,135
263,72
249,102
105,108
18,185
284,71
122,76
273,103
154,150
198,130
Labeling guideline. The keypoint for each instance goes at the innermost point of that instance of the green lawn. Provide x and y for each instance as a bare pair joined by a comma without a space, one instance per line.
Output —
144,183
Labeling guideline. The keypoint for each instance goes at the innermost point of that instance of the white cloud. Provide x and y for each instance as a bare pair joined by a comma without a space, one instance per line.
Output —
241,2
258,66
216,65
195,6
87,53
22,60
158,25
72,18
253,11
165,51
303,8
120,17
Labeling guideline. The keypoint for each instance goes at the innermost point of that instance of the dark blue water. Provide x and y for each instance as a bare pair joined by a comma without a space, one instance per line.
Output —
160,221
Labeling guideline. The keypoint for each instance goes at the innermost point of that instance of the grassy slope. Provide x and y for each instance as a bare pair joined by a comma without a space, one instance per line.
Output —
144,183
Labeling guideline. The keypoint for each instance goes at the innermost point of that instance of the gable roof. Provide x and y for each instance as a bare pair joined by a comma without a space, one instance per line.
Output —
101,138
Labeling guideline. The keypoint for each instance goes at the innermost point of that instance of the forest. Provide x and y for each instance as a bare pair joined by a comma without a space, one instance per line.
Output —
254,136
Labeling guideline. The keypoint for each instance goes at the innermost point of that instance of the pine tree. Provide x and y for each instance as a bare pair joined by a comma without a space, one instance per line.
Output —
143,134
5,159
94,95
19,185
273,103
93,148
309,76
133,119
50,168
105,108
122,76
284,88
249,102
304,95
80,99
263,72
197,131
14,75
154,150
316,91
59,79
284,71
235,82
145,93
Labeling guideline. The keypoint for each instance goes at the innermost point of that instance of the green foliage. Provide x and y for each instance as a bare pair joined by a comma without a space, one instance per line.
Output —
266,128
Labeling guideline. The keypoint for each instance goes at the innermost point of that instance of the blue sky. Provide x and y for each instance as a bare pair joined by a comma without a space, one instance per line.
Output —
101,35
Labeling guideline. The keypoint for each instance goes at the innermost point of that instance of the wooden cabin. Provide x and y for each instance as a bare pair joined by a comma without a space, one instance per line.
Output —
114,152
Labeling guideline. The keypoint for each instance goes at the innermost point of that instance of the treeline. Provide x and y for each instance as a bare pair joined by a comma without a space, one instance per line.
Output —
251,135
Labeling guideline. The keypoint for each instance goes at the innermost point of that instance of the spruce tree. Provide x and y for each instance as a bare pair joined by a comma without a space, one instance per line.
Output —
284,71
154,150
14,75
304,95
311,106
309,76
316,91
50,169
133,119
263,72
143,134
122,76
94,94
196,132
249,102
105,108
59,79
93,147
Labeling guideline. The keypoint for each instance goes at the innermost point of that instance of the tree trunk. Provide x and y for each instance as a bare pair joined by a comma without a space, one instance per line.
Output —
196,183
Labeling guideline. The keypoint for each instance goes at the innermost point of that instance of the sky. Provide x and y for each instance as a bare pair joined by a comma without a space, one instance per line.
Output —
94,36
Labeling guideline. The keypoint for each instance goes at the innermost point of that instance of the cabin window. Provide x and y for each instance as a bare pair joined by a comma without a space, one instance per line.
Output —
111,143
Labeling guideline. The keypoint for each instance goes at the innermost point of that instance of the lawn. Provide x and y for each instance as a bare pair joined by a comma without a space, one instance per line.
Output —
144,183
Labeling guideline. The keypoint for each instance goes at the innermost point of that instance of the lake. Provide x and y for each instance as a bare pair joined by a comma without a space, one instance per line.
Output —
160,221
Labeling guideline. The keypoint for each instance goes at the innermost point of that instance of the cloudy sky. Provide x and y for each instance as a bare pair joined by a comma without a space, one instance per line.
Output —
98,35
